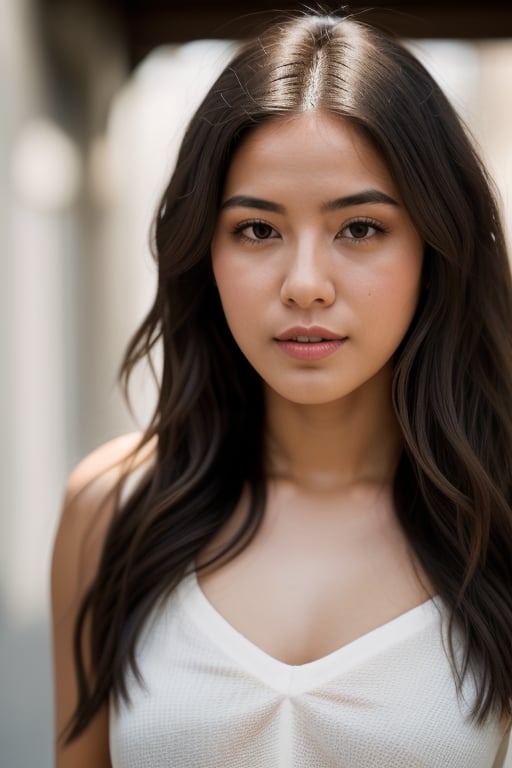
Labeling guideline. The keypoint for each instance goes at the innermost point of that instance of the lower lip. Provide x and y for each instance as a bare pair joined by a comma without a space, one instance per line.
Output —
315,350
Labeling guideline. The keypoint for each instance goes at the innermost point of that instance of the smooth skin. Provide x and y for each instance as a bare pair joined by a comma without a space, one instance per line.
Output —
324,240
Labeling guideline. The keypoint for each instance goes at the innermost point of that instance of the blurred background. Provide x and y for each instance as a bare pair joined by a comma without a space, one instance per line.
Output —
94,98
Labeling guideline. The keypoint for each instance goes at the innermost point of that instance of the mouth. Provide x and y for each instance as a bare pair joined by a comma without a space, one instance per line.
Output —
309,345
314,335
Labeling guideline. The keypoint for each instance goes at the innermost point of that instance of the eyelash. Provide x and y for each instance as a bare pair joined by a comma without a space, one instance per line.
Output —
371,223
238,230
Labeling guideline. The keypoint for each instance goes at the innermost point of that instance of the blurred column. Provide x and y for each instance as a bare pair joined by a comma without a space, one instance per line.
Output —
30,324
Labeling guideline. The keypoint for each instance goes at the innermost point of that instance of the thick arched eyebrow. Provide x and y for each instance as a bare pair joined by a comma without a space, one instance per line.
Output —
361,198
365,197
243,201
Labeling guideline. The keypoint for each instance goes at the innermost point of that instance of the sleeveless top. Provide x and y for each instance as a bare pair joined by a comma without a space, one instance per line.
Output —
210,698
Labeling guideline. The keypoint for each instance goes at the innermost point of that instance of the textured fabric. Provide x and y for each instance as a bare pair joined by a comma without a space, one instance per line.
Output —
212,699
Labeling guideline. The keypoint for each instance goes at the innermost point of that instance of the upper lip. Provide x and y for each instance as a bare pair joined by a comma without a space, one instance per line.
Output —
310,332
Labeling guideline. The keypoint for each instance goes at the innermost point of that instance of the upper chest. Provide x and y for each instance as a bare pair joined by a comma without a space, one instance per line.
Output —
316,578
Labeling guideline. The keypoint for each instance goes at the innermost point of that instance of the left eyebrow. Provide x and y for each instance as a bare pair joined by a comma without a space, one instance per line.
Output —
361,198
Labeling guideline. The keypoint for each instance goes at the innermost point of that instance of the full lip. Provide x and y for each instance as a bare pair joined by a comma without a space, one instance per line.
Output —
312,331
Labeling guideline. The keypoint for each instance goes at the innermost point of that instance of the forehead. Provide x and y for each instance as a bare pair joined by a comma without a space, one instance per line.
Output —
308,149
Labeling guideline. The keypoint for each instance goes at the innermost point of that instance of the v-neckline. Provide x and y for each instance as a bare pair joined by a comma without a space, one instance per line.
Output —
294,679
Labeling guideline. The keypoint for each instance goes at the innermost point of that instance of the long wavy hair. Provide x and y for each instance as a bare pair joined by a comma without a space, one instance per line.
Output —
452,386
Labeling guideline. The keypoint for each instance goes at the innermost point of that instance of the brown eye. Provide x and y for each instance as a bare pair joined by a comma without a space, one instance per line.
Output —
261,231
255,231
358,229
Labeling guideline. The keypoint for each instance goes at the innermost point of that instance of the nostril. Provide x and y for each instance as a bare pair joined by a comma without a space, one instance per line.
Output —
305,299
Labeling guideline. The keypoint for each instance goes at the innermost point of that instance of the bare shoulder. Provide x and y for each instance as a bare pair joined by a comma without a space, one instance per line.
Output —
89,503
91,490
99,472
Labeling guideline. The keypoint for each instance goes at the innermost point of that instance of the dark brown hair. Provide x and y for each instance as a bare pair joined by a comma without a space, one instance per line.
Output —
453,372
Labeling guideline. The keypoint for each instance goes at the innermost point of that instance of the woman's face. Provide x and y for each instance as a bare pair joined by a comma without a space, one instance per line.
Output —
317,262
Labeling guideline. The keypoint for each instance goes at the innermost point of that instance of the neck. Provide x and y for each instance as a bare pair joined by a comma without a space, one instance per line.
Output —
334,445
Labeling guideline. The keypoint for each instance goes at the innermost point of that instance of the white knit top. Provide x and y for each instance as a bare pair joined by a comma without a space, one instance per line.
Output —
212,699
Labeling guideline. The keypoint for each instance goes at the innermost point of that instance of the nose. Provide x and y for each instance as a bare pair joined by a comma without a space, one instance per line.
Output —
308,278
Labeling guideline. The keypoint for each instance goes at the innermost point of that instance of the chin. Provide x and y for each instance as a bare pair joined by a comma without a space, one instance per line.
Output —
308,395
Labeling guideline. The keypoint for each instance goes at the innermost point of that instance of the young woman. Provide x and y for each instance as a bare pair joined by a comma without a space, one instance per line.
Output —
306,560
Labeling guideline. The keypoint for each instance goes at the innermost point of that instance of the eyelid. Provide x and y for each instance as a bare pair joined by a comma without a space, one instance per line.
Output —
369,221
238,230
247,223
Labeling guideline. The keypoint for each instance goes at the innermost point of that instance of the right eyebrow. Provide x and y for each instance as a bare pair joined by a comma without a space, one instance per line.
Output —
244,201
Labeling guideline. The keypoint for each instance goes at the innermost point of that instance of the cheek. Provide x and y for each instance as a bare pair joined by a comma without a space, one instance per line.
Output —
392,297
400,293
238,291
240,279
227,279
406,287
